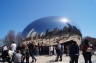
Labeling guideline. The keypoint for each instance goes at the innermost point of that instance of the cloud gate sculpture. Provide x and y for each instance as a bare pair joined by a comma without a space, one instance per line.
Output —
50,29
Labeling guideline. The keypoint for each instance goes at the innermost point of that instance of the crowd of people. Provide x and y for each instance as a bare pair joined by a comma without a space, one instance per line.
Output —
18,54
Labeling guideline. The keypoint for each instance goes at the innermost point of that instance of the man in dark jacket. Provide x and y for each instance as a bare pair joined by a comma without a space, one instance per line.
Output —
74,52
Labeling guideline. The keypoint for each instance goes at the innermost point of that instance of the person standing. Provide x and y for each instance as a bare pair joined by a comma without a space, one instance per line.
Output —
37,50
32,48
17,57
73,52
87,51
5,48
11,53
13,46
59,51
27,54
23,51
51,50
5,55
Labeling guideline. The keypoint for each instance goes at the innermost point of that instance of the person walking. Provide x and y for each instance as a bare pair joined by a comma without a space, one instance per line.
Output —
87,51
74,52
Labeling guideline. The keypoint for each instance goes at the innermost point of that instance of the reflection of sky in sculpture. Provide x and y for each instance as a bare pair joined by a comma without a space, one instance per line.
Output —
43,24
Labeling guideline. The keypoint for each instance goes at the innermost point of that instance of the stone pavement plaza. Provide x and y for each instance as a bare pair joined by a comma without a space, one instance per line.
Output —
66,59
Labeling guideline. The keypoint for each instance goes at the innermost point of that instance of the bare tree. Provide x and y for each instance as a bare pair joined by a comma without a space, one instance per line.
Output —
19,38
10,37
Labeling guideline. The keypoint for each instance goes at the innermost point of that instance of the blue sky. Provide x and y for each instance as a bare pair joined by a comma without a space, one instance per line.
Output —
17,14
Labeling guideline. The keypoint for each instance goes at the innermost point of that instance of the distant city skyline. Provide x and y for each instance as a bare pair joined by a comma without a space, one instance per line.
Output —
17,14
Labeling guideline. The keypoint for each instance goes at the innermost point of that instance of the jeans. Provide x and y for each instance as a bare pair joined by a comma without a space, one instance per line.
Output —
74,58
32,55
87,57
59,55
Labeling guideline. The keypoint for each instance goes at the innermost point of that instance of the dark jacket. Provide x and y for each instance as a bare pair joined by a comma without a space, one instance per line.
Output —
74,50
59,50
31,47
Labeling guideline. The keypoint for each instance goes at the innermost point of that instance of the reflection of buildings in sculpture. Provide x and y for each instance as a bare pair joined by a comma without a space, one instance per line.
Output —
50,37
52,41
50,29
